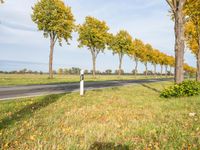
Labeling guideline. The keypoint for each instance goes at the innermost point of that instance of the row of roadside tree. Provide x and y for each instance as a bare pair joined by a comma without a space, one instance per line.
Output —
57,21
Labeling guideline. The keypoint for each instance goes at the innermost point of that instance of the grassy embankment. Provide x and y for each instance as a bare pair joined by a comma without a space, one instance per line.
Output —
27,79
130,117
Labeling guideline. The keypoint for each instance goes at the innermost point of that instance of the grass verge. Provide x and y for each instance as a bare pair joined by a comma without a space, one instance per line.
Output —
130,117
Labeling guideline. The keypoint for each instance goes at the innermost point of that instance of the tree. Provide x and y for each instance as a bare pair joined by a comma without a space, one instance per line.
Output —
1,1
60,71
117,71
136,52
108,71
161,58
121,44
171,64
66,71
192,30
155,59
177,7
189,70
86,71
146,56
166,63
94,35
74,70
57,22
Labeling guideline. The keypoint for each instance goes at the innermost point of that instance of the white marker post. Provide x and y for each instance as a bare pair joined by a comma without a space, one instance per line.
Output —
82,82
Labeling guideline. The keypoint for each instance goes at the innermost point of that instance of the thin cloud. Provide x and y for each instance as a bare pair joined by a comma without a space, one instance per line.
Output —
17,26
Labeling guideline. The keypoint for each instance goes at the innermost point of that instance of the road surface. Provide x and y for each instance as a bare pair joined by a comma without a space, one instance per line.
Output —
14,92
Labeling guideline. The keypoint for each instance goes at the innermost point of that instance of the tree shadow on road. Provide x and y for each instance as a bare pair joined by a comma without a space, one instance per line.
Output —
151,88
107,146
28,110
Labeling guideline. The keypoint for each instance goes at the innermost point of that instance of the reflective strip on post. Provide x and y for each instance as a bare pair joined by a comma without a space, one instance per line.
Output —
82,82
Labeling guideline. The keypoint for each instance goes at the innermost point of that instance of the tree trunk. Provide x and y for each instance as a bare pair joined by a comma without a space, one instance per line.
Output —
198,65
120,64
179,42
136,66
146,72
52,43
166,67
170,74
154,70
198,55
94,65
161,70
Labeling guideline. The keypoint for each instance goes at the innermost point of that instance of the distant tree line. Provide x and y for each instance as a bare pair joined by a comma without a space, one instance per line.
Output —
23,71
76,71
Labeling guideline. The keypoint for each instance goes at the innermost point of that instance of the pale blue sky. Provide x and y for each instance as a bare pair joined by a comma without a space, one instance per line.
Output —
145,19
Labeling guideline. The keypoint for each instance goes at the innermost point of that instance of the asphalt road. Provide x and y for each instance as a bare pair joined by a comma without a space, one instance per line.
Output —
14,92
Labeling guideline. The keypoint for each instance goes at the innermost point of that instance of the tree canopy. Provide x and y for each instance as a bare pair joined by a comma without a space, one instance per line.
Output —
138,47
192,27
93,34
192,30
191,37
54,18
121,42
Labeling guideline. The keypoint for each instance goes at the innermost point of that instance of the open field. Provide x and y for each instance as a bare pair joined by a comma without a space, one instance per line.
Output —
130,117
27,79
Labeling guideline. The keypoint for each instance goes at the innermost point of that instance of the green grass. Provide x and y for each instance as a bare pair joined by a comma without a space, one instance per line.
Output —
27,79
130,117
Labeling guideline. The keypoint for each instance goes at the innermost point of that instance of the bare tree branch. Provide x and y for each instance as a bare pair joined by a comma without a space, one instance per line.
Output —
174,2
171,5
